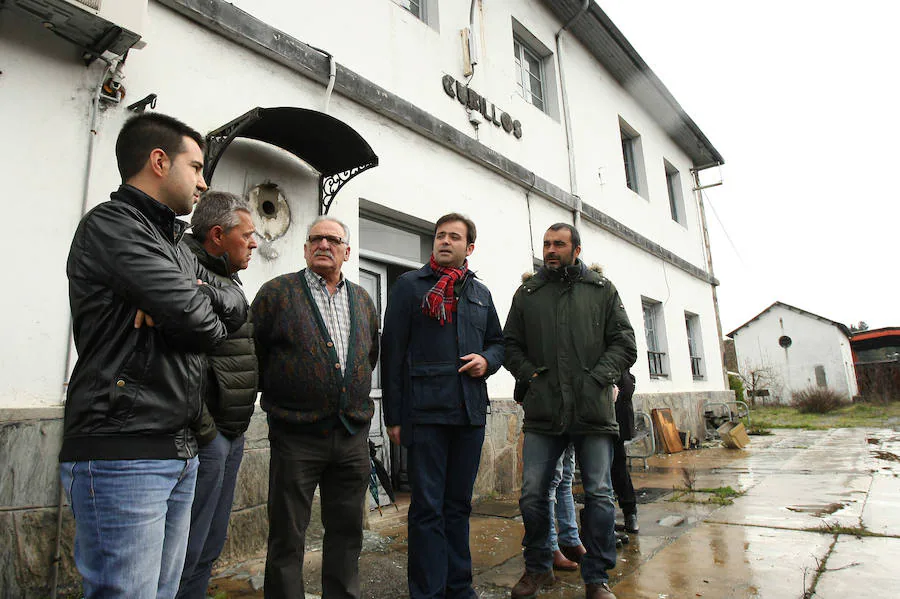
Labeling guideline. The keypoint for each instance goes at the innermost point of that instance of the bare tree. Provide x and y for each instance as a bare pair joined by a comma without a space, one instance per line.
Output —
760,380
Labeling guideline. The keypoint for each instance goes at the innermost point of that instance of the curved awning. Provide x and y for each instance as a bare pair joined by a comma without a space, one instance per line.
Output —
327,144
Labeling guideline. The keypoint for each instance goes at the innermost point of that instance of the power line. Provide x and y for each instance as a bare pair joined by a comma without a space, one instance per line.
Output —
724,230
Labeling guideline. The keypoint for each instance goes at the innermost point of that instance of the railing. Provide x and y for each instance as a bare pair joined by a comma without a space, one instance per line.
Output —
656,359
695,367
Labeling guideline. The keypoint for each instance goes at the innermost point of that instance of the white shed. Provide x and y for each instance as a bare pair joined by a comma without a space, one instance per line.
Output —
795,349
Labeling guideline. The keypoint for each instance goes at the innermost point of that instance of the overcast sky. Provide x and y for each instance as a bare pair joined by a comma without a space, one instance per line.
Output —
803,103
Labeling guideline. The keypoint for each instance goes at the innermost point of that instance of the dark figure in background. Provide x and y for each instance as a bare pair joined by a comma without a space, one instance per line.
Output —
621,479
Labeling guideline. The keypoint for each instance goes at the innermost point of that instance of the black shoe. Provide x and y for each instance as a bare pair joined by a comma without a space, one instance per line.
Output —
631,524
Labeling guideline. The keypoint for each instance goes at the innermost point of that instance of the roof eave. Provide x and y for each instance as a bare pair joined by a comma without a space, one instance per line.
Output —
608,45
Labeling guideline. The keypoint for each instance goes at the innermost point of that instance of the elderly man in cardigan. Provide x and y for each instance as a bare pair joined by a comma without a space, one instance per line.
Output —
317,342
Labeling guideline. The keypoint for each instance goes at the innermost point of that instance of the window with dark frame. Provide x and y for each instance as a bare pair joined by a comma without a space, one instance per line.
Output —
416,7
656,358
530,74
673,186
630,165
692,325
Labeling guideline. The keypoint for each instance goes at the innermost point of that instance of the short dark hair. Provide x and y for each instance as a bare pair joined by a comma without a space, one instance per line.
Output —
217,208
457,217
576,236
145,132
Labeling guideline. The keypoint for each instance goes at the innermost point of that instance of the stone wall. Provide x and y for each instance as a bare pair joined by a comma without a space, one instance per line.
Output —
500,469
29,492
687,407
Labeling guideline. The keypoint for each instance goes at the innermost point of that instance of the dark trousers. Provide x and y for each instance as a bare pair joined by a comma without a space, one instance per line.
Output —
443,463
621,480
339,464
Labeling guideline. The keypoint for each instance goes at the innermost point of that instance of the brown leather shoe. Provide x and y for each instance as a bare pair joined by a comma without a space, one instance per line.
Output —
561,562
598,591
573,553
530,583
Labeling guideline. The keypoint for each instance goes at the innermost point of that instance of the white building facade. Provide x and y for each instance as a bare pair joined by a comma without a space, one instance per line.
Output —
558,119
210,62
796,350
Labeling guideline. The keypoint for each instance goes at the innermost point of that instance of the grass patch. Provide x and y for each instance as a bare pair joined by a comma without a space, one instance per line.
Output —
722,492
847,416
717,495
834,528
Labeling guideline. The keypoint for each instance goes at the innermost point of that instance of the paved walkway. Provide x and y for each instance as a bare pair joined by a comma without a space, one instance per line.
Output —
817,515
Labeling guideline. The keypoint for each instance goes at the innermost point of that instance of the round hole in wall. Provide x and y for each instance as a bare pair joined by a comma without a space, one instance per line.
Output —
785,341
270,210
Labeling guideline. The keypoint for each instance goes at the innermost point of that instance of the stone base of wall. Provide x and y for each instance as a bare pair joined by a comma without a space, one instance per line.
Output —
30,440
687,407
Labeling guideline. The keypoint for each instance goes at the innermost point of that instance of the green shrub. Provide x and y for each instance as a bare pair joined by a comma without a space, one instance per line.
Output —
817,400
737,385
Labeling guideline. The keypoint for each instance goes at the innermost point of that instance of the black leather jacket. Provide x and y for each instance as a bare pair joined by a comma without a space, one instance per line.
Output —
135,392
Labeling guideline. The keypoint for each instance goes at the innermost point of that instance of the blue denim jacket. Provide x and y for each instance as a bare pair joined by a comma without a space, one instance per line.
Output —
420,358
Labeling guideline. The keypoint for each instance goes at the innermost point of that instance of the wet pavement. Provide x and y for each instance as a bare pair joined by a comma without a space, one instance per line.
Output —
813,514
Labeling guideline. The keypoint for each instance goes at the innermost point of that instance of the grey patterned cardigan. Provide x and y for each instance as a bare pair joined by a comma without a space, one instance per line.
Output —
300,375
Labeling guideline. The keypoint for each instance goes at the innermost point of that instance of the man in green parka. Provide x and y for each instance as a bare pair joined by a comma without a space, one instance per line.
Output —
568,339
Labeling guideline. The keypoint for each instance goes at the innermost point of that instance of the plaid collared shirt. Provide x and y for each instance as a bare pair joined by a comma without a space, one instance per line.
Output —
335,311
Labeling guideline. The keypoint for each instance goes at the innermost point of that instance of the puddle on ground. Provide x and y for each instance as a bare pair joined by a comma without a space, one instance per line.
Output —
886,455
817,510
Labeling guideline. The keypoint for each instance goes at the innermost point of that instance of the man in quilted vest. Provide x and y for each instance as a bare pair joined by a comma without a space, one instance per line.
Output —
223,239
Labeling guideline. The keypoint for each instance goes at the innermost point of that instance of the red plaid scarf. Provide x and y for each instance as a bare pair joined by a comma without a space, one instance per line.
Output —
440,301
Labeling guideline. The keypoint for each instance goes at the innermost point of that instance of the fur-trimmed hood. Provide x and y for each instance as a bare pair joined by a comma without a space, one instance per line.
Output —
594,267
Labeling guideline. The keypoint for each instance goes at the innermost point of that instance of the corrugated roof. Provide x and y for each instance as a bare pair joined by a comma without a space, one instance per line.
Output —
602,38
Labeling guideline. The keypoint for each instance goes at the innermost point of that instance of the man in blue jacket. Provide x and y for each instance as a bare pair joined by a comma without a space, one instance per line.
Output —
442,339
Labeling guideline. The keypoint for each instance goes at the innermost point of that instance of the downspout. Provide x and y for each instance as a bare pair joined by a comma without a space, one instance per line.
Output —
85,189
331,76
570,147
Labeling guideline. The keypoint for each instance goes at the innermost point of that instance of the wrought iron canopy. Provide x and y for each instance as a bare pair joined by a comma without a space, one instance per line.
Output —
327,144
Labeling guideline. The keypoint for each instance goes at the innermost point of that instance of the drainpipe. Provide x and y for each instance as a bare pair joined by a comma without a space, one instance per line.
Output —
331,75
89,163
570,147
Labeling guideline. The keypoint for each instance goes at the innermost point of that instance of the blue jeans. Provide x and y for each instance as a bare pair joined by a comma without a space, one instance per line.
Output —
443,463
216,479
131,524
539,456
562,504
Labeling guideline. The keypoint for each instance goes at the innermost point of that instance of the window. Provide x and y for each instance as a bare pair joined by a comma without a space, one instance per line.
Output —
413,6
676,199
535,71
695,347
633,159
425,10
654,333
530,74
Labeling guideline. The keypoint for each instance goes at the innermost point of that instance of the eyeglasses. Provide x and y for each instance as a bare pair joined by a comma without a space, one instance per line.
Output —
331,239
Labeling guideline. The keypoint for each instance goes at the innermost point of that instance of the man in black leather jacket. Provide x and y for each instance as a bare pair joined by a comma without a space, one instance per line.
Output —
143,313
